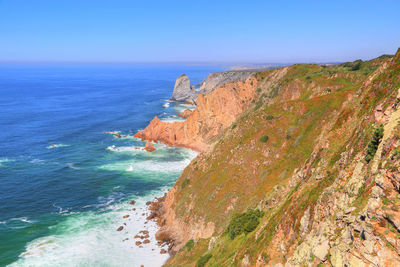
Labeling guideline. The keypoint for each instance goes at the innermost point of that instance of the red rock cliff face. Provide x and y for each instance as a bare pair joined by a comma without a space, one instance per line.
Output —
214,112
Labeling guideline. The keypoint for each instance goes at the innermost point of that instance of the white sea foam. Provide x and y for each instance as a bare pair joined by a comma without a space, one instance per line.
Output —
56,146
166,105
125,148
4,160
179,107
37,161
173,119
154,162
90,239
21,219
17,223
72,166
130,168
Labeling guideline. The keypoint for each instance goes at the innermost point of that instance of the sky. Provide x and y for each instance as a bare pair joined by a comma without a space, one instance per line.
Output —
251,31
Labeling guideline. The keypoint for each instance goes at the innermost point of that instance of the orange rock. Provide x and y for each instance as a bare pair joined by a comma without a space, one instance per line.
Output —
185,114
215,112
126,216
149,147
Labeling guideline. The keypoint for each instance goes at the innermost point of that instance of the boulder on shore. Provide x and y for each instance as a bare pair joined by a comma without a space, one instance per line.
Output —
149,147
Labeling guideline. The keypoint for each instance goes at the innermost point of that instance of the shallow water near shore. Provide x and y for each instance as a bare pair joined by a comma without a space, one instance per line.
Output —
66,184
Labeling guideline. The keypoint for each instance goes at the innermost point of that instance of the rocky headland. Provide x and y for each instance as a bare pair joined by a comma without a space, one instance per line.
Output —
214,112
299,166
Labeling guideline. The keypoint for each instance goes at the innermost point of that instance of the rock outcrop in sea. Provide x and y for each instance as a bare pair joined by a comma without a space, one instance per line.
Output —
183,91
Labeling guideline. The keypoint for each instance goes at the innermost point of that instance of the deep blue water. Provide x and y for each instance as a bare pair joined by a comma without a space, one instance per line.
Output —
75,191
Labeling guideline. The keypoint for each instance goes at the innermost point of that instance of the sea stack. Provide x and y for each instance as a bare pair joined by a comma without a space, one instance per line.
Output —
183,91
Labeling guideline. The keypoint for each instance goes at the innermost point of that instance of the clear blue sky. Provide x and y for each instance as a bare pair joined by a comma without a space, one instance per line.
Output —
224,31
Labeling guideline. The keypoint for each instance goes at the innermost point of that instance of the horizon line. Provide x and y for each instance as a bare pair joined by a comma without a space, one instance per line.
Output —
186,62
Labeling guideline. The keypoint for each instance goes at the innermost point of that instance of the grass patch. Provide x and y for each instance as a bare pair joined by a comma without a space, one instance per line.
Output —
203,260
244,223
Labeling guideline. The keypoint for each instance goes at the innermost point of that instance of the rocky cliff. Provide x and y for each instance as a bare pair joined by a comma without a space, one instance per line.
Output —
216,79
315,149
214,113
184,91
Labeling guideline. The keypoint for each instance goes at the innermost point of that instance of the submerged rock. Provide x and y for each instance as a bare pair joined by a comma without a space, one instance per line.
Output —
120,228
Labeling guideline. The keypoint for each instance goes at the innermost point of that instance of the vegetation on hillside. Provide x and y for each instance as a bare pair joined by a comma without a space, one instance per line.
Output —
245,223
374,143
277,163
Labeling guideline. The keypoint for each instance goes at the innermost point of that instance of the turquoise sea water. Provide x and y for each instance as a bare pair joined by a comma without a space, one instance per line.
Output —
64,183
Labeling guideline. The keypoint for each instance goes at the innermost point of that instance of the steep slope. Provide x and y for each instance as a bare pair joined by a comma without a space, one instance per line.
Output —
297,154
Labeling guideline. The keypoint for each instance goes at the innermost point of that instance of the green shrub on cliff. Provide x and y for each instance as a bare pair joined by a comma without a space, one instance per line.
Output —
244,223
185,183
269,117
374,143
203,260
189,245
264,139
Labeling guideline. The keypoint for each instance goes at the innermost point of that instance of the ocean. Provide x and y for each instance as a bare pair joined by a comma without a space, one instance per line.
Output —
66,184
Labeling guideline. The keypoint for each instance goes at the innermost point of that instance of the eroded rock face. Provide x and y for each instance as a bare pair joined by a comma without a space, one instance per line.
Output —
216,79
214,113
182,89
